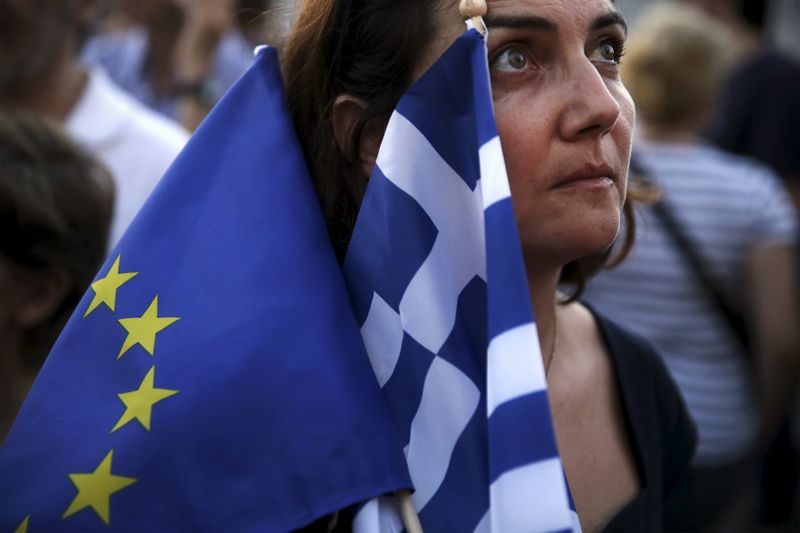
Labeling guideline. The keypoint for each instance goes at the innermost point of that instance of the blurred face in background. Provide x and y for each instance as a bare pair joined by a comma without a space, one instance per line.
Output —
722,9
32,41
148,12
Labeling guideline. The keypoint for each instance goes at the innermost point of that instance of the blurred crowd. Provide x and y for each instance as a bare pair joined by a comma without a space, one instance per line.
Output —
96,100
98,97
712,278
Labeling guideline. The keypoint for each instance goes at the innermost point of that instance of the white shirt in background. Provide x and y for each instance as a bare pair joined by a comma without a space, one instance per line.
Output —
135,143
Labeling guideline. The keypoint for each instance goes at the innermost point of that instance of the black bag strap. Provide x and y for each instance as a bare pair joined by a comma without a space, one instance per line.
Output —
666,215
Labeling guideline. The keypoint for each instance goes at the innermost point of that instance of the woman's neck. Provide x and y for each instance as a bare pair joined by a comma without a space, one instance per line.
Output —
543,286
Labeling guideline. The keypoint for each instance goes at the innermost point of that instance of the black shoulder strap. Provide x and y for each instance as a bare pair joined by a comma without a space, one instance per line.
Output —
670,222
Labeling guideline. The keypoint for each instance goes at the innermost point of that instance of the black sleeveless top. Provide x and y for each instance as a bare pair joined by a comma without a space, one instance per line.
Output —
662,436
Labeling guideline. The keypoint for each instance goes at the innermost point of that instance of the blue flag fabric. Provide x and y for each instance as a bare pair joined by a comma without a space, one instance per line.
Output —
437,279
213,377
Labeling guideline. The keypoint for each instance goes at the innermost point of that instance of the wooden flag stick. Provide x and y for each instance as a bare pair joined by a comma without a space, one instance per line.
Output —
474,10
408,512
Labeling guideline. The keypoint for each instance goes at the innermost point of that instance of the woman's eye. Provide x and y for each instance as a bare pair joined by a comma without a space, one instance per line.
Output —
510,60
606,52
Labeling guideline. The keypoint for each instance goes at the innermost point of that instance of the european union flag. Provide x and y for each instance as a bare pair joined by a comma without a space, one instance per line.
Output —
213,377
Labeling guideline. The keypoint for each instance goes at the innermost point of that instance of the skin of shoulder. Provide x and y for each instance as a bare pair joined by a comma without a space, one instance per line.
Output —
588,420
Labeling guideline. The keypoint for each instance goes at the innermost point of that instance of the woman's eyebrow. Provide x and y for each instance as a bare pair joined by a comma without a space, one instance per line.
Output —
528,22
533,22
609,19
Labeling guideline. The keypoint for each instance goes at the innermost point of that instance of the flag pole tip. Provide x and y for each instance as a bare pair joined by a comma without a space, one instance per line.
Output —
474,10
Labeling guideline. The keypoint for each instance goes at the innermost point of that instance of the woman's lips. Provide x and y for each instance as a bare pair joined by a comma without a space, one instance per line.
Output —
588,177
599,182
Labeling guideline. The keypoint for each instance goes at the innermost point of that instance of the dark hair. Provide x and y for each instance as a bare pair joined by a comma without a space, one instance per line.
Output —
350,47
754,12
56,203
32,40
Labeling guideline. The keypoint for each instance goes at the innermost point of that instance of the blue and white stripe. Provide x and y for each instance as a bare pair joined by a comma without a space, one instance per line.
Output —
438,284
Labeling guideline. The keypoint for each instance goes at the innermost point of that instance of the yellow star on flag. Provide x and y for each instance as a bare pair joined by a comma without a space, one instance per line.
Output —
142,330
139,403
23,527
95,489
105,289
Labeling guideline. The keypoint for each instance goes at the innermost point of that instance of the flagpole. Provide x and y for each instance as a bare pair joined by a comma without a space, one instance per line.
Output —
408,513
474,10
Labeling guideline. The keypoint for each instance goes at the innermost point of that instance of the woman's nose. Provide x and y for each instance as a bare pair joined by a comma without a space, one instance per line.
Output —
590,109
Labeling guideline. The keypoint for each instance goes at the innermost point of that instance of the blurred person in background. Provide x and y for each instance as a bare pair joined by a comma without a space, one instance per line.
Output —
758,116
40,72
178,56
735,217
56,203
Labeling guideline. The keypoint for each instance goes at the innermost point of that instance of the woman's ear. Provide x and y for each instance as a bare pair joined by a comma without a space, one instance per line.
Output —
346,111
43,298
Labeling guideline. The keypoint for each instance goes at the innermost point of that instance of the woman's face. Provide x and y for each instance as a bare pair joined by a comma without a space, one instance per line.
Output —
565,121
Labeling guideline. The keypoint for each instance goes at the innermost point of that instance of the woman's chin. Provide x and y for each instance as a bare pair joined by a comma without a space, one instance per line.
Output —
569,240
599,235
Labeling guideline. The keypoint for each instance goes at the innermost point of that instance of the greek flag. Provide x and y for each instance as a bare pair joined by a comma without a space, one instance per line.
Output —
436,277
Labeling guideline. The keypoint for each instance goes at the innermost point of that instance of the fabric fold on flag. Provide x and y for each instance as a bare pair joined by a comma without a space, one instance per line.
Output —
213,377
437,279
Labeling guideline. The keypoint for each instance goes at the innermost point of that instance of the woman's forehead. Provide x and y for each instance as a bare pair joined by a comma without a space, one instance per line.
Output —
578,14
557,10
559,5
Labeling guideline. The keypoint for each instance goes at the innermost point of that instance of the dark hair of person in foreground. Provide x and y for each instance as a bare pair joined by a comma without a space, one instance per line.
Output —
56,203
